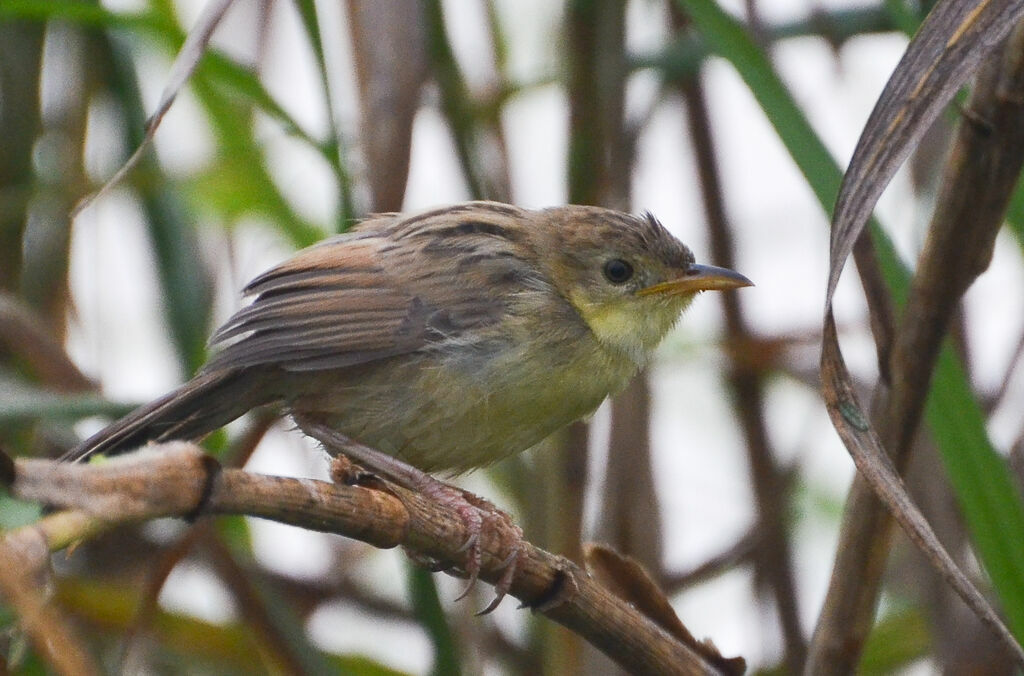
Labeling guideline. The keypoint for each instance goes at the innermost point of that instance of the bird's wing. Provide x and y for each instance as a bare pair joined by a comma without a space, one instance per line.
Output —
368,296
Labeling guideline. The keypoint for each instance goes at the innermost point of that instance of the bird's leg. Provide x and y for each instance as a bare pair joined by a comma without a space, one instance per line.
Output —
474,511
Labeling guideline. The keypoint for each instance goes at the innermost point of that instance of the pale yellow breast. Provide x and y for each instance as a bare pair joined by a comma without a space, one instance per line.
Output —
479,404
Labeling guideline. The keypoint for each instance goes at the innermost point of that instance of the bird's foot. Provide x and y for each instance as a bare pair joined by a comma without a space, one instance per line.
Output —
479,516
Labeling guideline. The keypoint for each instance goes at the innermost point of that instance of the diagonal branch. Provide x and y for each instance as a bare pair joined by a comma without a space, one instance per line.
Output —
177,479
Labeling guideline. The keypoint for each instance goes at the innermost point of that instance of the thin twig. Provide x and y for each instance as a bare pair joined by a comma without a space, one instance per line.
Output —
740,552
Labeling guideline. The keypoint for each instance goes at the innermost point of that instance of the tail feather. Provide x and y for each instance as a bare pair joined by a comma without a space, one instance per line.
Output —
205,403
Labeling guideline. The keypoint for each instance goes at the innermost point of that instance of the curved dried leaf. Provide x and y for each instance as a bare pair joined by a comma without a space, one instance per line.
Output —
630,581
952,41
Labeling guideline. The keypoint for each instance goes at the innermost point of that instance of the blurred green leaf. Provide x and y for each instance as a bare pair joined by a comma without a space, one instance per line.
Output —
231,117
184,280
183,274
113,607
427,609
729,39
28,403
985,491
333,149
903,16
84,14
1015,213
361,666
221,80
16,654
233,187
898,639
246,84
288,627
685,54
228,648
187,284
232,122
16,513
236,534
222,69
988,496
814,501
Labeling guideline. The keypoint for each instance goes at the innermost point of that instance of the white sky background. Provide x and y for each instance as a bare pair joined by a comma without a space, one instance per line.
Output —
781,243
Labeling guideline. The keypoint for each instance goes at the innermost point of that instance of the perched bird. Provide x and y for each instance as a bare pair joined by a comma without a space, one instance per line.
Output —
447,339
441,341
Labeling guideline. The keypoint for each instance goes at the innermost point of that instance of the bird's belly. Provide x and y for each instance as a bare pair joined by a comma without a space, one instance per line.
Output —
443,416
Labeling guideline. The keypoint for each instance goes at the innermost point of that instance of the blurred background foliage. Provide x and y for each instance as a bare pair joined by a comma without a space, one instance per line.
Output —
302,116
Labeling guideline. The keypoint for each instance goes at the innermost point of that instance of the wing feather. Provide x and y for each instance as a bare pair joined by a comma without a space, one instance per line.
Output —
376,293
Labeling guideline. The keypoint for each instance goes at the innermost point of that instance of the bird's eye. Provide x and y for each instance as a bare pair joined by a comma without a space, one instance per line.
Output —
618,271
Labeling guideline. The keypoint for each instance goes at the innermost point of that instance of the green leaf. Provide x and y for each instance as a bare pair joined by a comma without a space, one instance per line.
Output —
250,181
229,92
16,513
206,647
333,150
903,16
427,608
1015,213
988,497
897,640
222,69
83,14
234,184
235,532
730,40
26,403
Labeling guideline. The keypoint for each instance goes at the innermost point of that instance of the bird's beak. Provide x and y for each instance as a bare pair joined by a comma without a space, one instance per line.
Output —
698,278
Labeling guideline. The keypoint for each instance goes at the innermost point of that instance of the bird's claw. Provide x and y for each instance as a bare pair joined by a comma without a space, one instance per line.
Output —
508,572
475,512
472,567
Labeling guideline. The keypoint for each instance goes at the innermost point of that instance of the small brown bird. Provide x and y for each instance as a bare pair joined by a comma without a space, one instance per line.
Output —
441,341
447,339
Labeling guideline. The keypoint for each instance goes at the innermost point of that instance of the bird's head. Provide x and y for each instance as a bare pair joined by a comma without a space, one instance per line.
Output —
626,276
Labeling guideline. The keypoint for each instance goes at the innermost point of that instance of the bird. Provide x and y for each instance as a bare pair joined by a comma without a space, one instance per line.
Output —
440,341
448,339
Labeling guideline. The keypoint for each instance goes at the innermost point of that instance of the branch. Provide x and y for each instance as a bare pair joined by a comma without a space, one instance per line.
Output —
178,479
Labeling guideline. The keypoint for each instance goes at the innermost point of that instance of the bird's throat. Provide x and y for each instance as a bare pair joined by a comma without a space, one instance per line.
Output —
630,327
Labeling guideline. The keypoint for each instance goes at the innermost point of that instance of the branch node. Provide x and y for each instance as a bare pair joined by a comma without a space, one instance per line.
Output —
563,588
212,470
978,122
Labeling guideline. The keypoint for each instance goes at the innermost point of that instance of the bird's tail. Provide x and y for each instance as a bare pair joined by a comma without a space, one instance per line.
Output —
205,403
